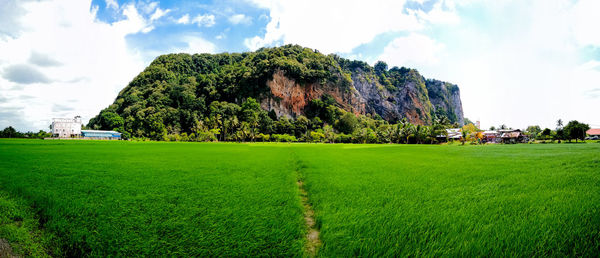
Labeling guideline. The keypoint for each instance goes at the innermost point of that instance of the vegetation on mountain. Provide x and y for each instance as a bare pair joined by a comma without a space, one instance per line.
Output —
208,97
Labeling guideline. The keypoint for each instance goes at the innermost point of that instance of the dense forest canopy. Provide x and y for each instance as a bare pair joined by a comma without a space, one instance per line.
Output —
217,96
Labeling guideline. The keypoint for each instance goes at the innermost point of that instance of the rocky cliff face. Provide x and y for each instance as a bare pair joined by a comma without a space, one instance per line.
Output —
416,100
445,98
408,101
290,98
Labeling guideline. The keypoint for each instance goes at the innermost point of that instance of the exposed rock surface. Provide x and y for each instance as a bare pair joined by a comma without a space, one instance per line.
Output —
445,98
417,100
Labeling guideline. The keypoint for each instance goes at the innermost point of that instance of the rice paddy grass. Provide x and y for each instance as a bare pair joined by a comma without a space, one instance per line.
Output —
96,198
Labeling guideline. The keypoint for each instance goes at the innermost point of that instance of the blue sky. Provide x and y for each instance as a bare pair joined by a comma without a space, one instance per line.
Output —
517,63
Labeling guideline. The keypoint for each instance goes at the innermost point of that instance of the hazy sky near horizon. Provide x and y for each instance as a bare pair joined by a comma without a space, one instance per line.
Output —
516,62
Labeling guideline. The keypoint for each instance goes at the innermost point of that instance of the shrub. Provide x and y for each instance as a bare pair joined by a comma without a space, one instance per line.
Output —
284,138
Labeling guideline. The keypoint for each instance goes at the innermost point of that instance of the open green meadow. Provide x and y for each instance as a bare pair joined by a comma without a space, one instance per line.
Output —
98,198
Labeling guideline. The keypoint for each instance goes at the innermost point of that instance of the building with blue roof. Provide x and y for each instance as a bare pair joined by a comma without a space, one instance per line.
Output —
100,135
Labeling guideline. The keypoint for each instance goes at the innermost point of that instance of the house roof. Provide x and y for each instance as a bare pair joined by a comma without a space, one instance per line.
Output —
511,135
595,131
99,131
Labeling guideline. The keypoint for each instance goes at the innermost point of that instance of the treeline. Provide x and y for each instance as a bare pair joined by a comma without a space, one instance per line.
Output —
574,130
10,132
324,122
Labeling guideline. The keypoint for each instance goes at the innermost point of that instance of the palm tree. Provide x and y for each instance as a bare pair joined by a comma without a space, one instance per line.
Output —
409,129
329,133
559,124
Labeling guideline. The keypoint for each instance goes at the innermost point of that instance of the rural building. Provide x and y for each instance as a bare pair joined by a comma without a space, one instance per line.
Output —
492,136
513,136
100,135
454,133
66,127
593,132
451,134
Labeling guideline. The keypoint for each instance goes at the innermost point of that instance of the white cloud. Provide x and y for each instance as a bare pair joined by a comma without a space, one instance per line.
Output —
586,20
11,13
95,62
240,19
147,7
184,19
112,4
158,13
520,71
414,50
332,26
443,12
196,45
204,20
133,23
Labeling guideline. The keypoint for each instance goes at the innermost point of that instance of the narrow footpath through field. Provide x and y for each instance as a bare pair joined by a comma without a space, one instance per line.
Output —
313,242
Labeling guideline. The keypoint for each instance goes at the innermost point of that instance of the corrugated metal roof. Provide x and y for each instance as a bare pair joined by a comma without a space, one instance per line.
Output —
99,131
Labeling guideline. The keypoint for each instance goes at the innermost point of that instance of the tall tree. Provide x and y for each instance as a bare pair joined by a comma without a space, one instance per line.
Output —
576,130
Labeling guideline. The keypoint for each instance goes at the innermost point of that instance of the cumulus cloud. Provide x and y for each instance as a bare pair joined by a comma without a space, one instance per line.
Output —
414,50
332,26
24,74
525,70
44,60
240,19
158,13
196,45
95,63
13,116
59,108
443,12
184,19
112,4
586,21
204,20
11,12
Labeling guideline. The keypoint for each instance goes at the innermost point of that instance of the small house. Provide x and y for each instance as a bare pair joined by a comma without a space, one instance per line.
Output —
451,134
491,136
513,136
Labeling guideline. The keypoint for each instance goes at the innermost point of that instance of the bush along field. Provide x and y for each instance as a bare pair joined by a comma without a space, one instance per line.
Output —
94,198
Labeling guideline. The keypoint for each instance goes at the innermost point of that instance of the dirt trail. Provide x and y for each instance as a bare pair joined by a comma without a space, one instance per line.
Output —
5,249
313,242
312,236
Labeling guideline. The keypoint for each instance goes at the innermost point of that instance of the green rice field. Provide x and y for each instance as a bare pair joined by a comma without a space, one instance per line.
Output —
102,198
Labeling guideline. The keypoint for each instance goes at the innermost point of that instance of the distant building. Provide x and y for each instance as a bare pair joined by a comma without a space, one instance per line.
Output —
513,136
593,132
451,134
454,133
491,136
101,135
66,127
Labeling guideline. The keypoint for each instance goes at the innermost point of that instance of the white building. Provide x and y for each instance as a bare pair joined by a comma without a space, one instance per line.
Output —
66,127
